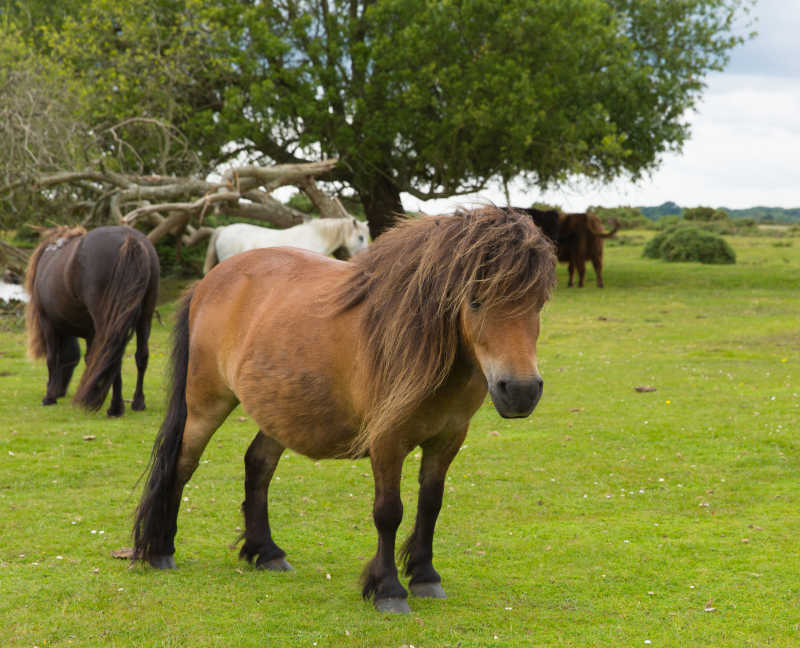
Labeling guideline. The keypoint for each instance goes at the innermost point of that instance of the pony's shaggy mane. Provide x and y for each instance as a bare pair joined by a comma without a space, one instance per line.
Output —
36,344
412,284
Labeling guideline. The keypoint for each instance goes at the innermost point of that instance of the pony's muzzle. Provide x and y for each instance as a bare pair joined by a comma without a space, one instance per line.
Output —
516,398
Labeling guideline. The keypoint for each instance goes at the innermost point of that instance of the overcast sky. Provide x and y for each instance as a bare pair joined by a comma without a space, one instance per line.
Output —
744,148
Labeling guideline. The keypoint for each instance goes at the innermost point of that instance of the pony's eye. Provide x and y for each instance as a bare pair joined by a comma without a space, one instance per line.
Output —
360,238
474,303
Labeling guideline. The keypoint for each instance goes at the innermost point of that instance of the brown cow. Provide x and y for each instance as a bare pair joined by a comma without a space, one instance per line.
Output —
580,237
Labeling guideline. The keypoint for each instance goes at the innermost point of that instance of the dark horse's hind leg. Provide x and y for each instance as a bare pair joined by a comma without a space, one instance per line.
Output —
63,354
117,407
260,462
142,356
417,552
69,354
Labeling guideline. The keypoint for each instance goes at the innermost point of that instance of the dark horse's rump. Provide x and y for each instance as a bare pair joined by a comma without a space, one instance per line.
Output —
101,286
546,220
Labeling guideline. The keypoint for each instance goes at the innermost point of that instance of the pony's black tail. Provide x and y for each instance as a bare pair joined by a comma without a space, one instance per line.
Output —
156,516
120,309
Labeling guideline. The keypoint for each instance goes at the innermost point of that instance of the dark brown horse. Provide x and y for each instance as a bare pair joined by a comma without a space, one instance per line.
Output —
102,286
580,238
375,357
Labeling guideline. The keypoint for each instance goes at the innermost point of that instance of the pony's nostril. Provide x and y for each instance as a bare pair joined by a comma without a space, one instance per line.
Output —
502,385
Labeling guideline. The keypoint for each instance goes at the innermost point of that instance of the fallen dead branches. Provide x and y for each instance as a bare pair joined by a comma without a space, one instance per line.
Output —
179,205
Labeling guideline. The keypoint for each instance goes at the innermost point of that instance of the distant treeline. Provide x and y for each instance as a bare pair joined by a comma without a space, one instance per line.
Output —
758,214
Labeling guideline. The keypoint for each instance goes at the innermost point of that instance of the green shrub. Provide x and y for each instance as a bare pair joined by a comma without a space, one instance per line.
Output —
689,244
719,226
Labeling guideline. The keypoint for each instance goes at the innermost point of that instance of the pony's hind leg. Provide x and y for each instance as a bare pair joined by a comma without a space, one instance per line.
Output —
69,355
117,407
597,262
142,356
176,456
63,354
260,462
417,552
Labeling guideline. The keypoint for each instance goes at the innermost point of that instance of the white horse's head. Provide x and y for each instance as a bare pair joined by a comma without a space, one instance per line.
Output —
356,235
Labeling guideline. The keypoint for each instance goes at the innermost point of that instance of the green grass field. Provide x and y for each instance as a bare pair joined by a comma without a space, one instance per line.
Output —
611,517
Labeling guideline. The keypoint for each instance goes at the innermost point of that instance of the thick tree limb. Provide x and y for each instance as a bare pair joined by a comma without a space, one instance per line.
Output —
280,175
328,207
175,222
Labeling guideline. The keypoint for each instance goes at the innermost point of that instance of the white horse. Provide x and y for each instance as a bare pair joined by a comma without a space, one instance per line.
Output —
323,235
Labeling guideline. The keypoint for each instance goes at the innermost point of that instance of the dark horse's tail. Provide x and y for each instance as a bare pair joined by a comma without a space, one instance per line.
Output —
154,527
120,309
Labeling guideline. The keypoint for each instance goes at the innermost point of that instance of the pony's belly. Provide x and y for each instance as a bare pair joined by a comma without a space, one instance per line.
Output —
299,410
311,437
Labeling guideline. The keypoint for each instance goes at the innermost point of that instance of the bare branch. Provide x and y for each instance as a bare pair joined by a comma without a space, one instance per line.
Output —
175,222
197,206
196,235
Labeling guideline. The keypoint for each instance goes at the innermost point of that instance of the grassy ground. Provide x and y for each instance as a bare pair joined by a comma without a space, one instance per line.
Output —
611,517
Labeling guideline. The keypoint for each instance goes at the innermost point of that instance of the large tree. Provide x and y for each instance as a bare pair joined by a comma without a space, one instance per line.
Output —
430,98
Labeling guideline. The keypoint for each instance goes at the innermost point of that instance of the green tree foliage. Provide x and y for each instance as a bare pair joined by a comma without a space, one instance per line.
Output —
627,217
430,98
705,214
689,244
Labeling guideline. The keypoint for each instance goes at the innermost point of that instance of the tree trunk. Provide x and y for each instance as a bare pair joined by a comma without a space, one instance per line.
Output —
382,205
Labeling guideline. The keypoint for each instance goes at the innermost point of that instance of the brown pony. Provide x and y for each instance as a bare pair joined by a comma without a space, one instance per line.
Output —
100,286
375,357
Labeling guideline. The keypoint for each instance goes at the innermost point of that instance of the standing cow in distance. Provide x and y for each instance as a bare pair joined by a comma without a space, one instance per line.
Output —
580,237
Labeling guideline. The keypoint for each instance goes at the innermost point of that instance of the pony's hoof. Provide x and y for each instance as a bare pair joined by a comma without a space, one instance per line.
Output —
137,406
163,562
428,590
276,564
392,605
115,413
48,401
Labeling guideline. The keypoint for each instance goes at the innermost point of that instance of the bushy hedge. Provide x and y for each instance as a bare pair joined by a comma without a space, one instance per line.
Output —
689,244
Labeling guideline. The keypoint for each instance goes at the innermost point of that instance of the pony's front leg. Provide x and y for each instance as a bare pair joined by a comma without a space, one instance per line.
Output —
417,552
380,575
117,407
260,462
